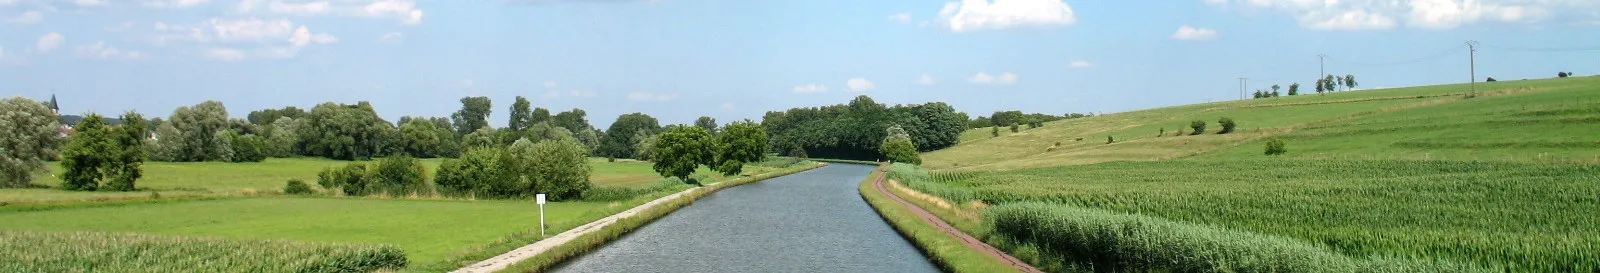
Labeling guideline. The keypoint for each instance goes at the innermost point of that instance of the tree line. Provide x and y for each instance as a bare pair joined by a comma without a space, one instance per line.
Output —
856,130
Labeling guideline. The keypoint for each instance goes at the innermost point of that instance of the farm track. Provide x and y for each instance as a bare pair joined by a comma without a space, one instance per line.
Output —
966,239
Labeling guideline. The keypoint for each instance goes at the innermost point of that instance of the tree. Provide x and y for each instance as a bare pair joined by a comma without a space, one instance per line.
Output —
644,147
483,137
398,176
249,148
85,159
474,114
708,123
682,149
168,144
283,137
575,120
855,130
197,125
539,115
897,146
740,142
1275,88
1349,82
481,173
268,116
620,137
222,145
347,132
28,136
559,168
994,131
1562,74
521,116
1322,86
1294,89
420,138
545,131
1331,83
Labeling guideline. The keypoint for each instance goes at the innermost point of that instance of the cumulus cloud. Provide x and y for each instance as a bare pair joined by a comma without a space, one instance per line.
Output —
404,10
26,18
50,42
901,18
925,80
810,88
984,78
99,50
643,96
173,3
239,39
1424,14
1187,32
858,84
971,15
1081,64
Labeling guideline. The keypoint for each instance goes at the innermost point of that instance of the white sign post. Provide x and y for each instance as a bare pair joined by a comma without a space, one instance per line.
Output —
539,198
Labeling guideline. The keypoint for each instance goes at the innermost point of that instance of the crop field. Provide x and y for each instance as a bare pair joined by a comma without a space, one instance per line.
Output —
428,230
1409,179
109,252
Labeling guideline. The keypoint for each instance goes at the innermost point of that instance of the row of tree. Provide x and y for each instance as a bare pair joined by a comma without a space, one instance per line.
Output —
1009,118
856,130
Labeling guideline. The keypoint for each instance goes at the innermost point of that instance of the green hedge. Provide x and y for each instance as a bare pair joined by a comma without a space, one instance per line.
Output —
28,251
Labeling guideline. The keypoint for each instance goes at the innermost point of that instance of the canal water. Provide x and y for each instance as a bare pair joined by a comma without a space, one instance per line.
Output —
813,221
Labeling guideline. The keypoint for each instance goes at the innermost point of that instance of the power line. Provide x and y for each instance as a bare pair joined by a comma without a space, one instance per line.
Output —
1547,49
1440,54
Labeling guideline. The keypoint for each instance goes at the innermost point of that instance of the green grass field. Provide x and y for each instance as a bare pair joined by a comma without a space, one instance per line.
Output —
1403,176
220,179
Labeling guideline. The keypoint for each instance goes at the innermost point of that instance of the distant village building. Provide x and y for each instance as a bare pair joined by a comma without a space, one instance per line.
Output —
56,108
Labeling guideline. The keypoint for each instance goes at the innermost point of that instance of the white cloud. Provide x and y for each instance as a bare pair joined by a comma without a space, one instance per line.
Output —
99,50
2,52
173,3
392,38
549,84
1425,14
1081,64
727,106
26,18
1187,32
858,84
984,78
810,88
926,80
468,82
582,94
238,39
50,42
1350,20
404,10
900,18
970,15
642,96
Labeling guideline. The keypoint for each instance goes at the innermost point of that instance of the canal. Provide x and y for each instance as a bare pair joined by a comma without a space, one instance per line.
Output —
813,221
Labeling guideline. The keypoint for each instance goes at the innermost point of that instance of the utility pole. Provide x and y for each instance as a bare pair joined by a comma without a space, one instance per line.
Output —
1322,65
1241,87
1472,61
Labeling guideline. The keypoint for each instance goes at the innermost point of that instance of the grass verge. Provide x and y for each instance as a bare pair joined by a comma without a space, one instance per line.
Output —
594,240
948,252
124,252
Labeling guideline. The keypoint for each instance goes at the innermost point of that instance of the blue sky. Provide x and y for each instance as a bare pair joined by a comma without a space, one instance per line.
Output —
680,59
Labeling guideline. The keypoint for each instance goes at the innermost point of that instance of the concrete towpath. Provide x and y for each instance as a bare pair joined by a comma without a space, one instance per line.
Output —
517,255
967,240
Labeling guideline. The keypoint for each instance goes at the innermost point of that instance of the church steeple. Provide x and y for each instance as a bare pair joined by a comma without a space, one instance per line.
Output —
53,105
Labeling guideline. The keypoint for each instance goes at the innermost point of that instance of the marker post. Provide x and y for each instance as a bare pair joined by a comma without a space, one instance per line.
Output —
539,198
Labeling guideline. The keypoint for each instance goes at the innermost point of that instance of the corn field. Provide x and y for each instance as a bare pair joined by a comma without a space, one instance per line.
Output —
1513,215
27,251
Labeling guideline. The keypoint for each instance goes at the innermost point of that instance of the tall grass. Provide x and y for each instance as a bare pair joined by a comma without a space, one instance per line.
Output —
1098,240
25,251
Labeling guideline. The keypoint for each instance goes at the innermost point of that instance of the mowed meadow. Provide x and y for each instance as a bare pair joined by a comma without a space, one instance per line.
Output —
232,211
1433,178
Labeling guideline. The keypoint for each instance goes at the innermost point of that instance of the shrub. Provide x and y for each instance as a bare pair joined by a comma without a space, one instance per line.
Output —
1227,125
1199,127
1561,74
352,179
559,168
1491,79
731,167
1276,146
1110,140
1162,133
249,148
611,159
295,186
1013,127
397,176
994,131
480,172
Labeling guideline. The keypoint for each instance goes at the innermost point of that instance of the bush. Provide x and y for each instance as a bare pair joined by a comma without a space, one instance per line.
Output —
994,131
398,176
352,179
1276,146
1562,74
1491,79
480,172
295,186
1163,132
731,167
1110,140
1199,127
249,148
559,168
1227,125
1013,127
